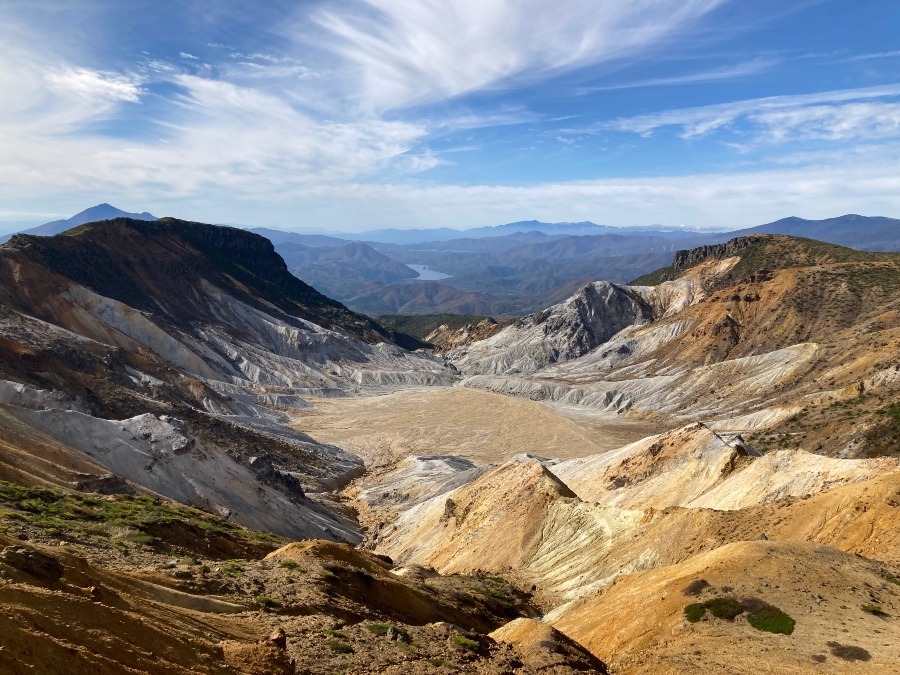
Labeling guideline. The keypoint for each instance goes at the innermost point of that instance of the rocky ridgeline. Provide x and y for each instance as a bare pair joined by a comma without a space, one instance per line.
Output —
693,256
565,331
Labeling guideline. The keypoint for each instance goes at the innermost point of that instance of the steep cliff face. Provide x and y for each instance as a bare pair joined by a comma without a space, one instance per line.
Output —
565,331
691,257
160,265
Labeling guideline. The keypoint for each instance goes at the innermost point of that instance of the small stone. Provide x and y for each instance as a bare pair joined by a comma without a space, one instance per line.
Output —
398,635
33,562
278,638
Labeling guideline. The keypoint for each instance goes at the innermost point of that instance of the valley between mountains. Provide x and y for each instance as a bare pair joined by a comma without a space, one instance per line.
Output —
206,465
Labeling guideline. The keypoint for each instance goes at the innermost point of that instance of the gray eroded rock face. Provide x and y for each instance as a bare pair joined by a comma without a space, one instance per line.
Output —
161,453
565,331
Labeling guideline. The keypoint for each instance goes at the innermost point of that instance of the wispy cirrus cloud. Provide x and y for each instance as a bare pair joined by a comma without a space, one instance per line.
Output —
96,84
744,69
873,55
409,53
838,115
864,121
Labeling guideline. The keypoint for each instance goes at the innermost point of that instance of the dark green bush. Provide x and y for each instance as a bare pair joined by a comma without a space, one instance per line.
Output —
465,643
770,619
694,612
724,608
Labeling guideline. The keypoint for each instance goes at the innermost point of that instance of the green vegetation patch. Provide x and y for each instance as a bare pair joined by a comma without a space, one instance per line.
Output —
379,628
724,608
890,578
232,568
694,612
92,516
883,438
339,647
770,619
874,609
267,601
466,643
761,615
440,663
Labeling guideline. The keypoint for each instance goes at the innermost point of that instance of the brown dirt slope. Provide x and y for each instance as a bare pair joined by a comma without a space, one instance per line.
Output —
77,602
844,613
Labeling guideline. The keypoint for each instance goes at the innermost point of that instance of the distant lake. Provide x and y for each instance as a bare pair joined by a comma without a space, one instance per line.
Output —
427,274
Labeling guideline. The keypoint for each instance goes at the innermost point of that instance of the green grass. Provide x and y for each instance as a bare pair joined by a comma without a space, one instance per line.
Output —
289,564
379,628
694,612
85,515
135,538
336,633
465,643
328,575
339,647
890,578
232,569
724,608
267,601
874,609
761,615
770,619
440,663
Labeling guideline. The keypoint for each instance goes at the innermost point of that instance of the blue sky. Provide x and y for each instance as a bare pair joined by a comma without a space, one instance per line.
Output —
353,114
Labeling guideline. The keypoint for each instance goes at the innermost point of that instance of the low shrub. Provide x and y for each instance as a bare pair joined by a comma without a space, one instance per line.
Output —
760,614
694,612
339,647
440,663
770,619
465,643
724,608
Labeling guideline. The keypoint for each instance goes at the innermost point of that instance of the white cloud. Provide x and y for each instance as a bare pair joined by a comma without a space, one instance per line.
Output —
406,53
804,115
726,201
830,122
751,67
873,55
96,84
228,139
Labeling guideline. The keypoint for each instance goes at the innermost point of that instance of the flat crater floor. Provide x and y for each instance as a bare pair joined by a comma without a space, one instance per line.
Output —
480,426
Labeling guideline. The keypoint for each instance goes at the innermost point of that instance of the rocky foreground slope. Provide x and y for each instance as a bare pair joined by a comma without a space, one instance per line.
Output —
99,593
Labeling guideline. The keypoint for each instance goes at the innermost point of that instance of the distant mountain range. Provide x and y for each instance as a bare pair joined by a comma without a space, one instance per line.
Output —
446,234
94,214
514,268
